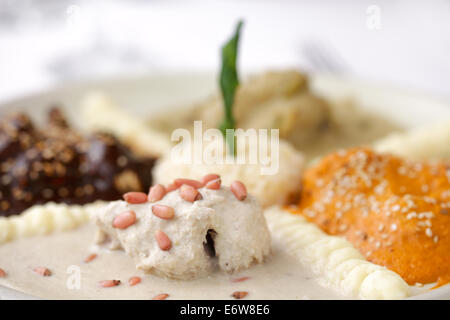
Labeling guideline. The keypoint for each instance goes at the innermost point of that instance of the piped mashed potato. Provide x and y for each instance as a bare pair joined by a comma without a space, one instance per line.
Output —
334,258
101,113
278,188
45,219
425,143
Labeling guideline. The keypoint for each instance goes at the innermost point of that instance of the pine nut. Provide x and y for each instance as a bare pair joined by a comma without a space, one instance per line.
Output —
124,220
241,279
162,296
172,187
239,190
2,273
163,212
189,193
163,240
109,283
90,257
210,177
239,294
214,184
193,183
135,197
45,272
157,192
134,281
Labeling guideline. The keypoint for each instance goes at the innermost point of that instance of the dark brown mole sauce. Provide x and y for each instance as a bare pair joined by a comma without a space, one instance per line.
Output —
57,164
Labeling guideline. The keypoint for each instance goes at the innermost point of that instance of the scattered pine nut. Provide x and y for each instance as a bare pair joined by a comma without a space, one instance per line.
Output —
241,279
157,192
193,183
239,190
43,271
134,281
189,193
239,294
109,283
163,212
89,258
2,273
135,197
214,184
163,240
124,220
210,177
162,296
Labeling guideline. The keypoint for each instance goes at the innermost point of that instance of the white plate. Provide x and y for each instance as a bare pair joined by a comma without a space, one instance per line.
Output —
146,94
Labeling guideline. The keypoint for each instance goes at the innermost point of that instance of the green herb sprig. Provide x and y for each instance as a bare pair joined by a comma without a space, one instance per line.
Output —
229,81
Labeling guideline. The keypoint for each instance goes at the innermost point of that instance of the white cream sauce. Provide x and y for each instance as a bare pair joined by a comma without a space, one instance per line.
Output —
281,277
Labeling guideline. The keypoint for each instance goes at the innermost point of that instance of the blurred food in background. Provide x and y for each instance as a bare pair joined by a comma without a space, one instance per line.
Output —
283,100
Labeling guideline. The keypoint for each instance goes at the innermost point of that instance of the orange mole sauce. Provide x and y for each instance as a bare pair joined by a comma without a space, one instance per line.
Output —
395,212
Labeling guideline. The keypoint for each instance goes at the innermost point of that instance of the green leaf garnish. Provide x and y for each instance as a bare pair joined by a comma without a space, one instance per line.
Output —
229,82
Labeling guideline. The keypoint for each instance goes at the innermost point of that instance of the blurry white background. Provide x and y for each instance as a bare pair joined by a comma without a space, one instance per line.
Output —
49,42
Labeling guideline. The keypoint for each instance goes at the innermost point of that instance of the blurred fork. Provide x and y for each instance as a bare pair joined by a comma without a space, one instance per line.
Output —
323,57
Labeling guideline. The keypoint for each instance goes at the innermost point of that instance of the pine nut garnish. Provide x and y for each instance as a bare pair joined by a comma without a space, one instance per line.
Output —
162,296
157,192
89,258
214,184
172,187
193,183
109,283
189,193
2,273
163,212
43,271
210,177
124,220
241,279
239,190
239,294
163,240
135,197
134,281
